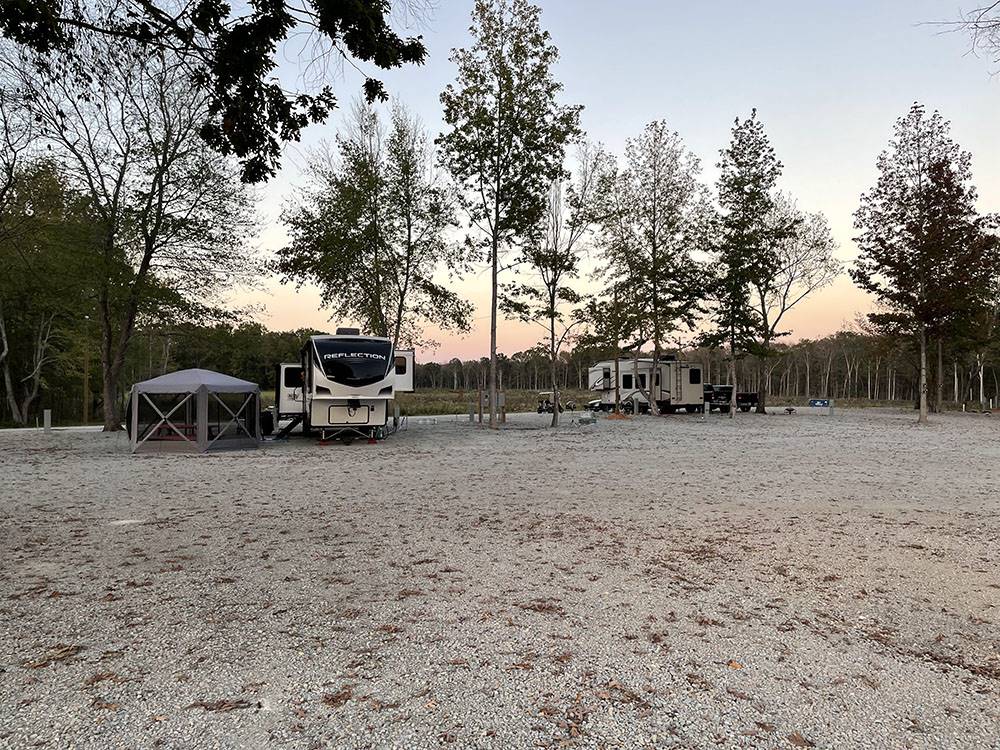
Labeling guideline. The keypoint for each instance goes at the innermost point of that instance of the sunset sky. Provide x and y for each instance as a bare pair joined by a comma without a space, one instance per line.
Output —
828,81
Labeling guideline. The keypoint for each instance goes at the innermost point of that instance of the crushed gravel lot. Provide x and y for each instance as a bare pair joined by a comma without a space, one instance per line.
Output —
772,582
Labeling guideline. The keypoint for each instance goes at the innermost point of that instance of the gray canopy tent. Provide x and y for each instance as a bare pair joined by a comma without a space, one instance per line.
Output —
193,410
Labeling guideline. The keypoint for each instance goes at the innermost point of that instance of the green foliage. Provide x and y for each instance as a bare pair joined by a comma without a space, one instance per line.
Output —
44,279
654,216
507,133
746,237
552,263
926,254
247,350
228,56
371,231
171,219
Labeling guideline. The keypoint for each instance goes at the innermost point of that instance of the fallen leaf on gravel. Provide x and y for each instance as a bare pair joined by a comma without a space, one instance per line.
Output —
378,705
340,697
798,740
733,664
545,606
224,704
59,652
103,704
99,677
614,690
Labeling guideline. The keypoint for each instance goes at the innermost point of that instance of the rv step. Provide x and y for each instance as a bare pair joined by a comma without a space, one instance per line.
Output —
287,429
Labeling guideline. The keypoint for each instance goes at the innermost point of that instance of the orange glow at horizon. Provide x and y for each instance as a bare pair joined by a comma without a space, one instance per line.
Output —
829,310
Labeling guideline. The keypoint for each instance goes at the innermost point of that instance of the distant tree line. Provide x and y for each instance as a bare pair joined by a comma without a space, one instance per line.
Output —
851,364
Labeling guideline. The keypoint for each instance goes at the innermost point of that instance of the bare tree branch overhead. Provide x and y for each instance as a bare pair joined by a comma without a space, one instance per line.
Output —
983,25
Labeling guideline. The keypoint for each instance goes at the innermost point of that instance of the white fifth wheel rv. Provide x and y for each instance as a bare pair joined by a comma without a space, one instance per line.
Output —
344,386
674,385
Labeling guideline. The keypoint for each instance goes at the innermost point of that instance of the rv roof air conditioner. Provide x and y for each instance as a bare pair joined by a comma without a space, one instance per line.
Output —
348,331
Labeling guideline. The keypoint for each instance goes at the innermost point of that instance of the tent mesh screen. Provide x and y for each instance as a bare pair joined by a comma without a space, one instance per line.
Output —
221,426
153,429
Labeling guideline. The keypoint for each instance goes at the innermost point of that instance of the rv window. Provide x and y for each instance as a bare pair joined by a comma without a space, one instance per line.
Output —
292,377
642,380
400,365
626,381
606,378
695,375
354,361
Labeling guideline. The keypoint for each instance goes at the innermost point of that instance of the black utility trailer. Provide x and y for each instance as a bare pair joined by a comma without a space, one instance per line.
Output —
719,398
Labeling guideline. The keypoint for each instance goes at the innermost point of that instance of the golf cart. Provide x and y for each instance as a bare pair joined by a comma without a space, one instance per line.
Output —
546,403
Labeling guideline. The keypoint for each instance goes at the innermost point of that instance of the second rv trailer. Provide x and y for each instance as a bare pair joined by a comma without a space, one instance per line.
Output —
672,384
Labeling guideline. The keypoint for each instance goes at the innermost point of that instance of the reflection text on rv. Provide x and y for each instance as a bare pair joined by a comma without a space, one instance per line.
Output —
354,355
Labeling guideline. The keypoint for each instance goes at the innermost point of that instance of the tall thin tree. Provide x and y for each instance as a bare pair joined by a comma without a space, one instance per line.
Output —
547,297
506,135
746,248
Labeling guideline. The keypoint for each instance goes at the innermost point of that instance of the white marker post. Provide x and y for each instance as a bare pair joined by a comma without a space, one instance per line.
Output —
47,420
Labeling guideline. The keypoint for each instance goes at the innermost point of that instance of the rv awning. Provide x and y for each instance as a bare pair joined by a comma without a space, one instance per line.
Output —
190,381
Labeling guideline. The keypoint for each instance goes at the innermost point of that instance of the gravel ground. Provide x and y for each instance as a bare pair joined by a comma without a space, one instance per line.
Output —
777,582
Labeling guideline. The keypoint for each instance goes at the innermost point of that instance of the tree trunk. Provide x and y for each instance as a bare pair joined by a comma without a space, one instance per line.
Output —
939,394
763,384
732,375
554,368
826,376
493,336
980,366
922,418
8,384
